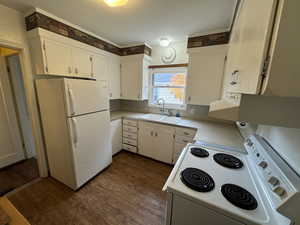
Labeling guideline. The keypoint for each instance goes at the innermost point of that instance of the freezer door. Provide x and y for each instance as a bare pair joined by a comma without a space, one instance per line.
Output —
85,96
92,150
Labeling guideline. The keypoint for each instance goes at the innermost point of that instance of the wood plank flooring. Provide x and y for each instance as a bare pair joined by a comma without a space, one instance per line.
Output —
129,192
16,175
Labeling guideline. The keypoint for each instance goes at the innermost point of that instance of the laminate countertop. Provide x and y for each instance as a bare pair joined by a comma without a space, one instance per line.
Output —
211,132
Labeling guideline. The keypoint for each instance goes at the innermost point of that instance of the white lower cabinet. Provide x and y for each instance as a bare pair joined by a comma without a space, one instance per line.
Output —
116,135
156,141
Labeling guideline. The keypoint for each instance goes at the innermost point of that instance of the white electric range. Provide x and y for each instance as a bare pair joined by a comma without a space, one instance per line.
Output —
212,185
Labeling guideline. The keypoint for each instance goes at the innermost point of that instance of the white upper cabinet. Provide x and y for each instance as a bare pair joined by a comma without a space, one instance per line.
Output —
262,79
134,77
82,62
100,67
114,75
205,74
248,49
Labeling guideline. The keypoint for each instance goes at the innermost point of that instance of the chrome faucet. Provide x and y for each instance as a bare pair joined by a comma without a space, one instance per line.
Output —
161,102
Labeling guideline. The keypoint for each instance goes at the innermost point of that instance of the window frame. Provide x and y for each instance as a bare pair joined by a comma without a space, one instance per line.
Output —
151,86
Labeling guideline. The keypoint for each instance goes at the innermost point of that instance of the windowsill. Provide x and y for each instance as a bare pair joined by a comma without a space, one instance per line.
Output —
168,106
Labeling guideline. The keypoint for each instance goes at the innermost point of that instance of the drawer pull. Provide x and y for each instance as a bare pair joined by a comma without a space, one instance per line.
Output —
186,133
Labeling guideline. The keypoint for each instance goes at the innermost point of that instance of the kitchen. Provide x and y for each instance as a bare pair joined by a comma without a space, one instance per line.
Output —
173,126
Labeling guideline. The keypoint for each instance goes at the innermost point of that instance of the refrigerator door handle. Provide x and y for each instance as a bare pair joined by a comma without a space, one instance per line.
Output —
71,97
75,133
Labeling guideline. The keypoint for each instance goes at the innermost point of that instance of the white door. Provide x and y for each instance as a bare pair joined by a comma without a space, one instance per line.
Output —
100,68
253,44
114,77
11,148
82,63
116,135
205,74
163,144
58,58
85,96
145,140
90,135
131,75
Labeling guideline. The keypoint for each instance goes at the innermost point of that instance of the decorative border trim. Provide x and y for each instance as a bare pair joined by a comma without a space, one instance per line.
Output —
208,40
38,20
168,66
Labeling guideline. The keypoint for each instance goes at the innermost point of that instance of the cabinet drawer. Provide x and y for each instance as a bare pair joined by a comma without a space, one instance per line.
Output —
130,135
132,123
130,148
129,129
129,141
183,139
185,132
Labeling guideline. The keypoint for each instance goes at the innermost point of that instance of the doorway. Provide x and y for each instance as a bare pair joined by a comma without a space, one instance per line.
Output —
18,163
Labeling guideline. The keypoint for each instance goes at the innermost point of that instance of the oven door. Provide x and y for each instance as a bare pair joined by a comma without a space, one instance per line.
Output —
186,212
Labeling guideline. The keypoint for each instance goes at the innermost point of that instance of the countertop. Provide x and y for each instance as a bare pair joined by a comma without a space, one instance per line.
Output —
211,132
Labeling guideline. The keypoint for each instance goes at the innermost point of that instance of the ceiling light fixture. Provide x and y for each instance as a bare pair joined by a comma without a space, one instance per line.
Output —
115,3
164,42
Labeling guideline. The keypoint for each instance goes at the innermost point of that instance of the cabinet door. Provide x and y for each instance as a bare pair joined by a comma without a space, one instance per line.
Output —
82,63
146,140
131,73
178,147
205,74
251,42
114,78
58,58
116,135
100,67
163,144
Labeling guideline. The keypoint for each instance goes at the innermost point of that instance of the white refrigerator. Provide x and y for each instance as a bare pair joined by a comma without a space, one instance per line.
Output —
76,126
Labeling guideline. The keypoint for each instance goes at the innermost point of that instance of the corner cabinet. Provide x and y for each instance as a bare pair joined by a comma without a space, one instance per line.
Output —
156,141
135,77
205,74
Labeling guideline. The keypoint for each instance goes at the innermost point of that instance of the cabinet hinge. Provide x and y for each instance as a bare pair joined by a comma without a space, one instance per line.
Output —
44,46
266,67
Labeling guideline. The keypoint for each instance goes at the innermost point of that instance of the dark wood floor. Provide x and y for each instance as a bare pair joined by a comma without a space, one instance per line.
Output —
17,175
129,192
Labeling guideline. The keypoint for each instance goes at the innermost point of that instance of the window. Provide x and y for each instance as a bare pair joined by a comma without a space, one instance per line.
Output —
168,84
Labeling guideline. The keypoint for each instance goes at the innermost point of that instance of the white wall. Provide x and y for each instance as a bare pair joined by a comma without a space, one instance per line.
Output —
13,33
181,52
286,141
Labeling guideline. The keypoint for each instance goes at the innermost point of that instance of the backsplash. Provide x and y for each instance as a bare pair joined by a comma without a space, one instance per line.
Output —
195,112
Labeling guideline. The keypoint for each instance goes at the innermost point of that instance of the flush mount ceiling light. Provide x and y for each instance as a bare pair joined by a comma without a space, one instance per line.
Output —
164,42
115,3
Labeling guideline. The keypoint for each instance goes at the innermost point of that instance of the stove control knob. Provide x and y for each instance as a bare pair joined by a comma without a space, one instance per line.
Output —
280,191
263,164
273,181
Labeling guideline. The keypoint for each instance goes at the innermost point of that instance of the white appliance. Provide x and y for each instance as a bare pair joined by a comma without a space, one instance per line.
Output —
212,185
76,124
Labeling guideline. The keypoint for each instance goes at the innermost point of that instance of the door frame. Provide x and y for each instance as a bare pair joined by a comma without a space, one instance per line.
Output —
31,101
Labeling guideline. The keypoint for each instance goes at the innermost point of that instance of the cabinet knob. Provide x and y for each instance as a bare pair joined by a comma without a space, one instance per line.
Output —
233,83
155,134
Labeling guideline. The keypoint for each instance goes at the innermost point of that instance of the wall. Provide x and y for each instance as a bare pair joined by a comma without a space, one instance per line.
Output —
181,53
286,141
13,34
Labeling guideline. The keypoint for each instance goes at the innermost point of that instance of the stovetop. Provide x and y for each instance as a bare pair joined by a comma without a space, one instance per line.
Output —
240,175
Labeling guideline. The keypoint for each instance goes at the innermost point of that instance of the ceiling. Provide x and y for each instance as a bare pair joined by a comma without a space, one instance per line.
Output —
140,20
